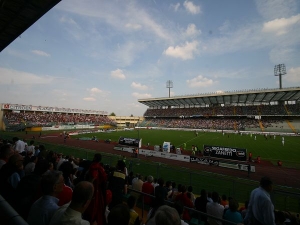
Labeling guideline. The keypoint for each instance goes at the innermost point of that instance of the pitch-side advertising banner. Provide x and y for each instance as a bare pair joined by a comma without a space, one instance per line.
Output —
130,141
166,146
225,152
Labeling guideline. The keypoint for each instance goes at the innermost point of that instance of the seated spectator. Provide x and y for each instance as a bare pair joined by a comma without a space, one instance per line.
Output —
232,214
214,209
119,215
165,215
44,208
185,201
29,168
6,152
134,216
179,207
224,201
10,176
200,204
28,190
71,214
148,188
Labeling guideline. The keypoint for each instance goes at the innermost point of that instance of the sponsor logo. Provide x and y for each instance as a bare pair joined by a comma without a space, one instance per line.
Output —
240,154
207,150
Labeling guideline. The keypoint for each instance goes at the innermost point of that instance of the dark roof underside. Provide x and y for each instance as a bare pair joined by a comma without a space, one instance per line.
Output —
16,16
229,98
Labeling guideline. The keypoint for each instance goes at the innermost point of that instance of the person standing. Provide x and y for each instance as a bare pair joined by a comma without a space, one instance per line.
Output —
43,209
96,209
249,169
261,208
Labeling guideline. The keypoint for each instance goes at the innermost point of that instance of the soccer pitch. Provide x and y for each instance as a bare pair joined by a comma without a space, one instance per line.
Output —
269,149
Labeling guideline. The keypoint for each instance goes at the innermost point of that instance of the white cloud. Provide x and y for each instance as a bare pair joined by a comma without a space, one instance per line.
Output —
41,53
95,91
293,76
281,26
225,27
139,86
272,9
128,52
10,76
118,17
69,21
200,81
141,96
118,74
175,6
191,31
191,8
133,26
183,52
89,99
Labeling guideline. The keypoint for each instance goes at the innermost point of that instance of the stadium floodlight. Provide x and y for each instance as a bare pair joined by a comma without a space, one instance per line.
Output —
169,85
279,70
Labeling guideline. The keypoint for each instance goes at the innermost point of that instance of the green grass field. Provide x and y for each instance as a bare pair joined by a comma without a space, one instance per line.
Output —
270,149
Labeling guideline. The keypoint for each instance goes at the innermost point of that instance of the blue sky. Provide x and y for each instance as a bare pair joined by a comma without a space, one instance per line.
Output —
107,54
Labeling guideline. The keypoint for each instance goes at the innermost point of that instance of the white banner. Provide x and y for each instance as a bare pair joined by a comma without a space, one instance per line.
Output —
166,146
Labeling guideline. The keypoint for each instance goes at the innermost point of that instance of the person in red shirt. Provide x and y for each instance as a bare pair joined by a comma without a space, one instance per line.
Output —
148,189
96,210
186,201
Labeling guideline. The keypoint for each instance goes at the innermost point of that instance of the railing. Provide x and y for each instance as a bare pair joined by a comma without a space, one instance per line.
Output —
8,216
170,203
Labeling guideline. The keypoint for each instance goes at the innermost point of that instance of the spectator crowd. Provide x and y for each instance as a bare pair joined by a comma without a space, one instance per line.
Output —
47,188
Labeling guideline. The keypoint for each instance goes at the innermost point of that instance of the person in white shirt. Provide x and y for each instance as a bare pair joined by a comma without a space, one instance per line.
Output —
214,209
19,145
261,208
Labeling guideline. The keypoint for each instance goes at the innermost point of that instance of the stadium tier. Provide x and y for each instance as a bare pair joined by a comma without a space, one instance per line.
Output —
257,110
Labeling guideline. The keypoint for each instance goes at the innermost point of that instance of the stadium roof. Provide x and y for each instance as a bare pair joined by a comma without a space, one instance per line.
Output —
249,97
16,16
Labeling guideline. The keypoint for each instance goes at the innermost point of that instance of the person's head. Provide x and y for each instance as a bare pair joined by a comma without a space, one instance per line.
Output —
6,151
52,182
190,189
41,167
203,193
131,201
166,215
224,197
215,196
16,160
97,157
121,165
179,207
161,182
82,195
150,179
233,205
266,183
119,215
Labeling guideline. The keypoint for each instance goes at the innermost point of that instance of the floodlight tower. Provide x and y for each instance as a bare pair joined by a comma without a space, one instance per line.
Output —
279,70
169,85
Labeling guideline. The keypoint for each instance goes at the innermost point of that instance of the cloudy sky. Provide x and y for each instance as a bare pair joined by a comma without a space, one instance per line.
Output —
107,54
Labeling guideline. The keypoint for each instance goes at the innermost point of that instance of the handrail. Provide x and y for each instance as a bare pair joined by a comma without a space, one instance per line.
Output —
8,216
190,209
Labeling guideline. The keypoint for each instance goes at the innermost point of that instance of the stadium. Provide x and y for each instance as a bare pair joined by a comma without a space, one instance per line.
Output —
202,140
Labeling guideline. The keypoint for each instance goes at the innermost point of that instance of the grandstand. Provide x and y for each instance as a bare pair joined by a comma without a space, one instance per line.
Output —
263,110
